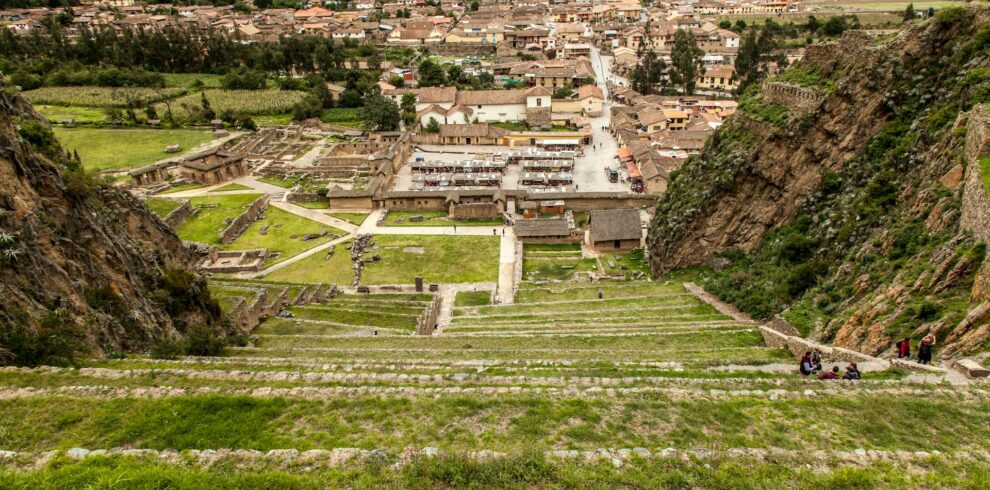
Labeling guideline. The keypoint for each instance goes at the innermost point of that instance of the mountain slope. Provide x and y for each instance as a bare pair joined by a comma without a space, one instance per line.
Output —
834,196
86,268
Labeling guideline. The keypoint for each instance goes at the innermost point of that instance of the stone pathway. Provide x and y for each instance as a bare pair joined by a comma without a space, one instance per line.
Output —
448,294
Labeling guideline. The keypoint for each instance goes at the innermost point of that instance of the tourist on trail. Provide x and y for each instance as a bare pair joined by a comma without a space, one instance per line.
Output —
852,371
816,361
455,229
805,365
904,349
601,294
925,349
833,374
494,232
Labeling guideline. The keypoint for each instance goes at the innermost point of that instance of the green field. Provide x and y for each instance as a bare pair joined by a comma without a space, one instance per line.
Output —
313,204
206,225
352,218
444,259
115,149
284,234
316,268
434,218
161,206
187,80
79,115
182,188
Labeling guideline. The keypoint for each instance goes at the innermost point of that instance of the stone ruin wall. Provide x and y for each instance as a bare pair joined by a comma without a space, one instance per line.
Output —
798,99
242,222
179,215
475,210
426,321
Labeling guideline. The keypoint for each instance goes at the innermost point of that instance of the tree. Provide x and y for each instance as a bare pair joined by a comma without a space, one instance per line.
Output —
648,73
350,98
408,106
322,92
380,113
455,74
686,62
725,24
150,112
433,126
397,81
431,75
563,92
740,26
473,5
755,54
486,79
909,13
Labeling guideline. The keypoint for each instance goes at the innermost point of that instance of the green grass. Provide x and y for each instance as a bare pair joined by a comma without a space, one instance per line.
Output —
551,247
352,218
445,259
187,80
510,423
473,298
434,218
343,116
161,206
234,187
317,269
284,236
80,115
529,470
313,204
633,261
985,173
273,119
286,182
205,225
182,187
112,149
535,268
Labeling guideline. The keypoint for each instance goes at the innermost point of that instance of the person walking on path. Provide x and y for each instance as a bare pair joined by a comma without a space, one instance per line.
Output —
925,349
904,349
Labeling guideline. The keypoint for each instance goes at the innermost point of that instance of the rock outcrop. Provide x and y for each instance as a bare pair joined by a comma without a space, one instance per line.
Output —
87,268
838,204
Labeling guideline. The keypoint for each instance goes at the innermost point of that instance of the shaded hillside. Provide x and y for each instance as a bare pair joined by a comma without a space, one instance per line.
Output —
86,268
834,197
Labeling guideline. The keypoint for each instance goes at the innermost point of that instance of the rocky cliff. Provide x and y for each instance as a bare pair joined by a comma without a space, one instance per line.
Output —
86,268
834,196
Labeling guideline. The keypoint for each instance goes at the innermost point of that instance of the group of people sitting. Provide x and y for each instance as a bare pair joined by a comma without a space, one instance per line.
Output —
925,348
811,363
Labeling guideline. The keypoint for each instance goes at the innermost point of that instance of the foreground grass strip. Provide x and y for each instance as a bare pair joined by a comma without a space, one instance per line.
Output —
508,422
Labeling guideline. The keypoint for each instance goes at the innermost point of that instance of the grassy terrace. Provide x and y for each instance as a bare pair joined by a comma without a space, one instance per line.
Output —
433,218
283,234
118,149
319,268
353,218
646,366
205,226
435,258
161,206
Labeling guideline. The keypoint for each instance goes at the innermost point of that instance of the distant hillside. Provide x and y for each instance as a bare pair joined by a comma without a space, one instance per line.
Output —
87,269
836,196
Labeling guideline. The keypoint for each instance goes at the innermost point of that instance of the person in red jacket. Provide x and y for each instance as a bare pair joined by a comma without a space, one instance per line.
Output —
833,374
904,349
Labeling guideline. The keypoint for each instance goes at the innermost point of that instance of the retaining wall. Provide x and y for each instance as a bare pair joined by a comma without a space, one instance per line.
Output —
797,99
242,222
426,321
475,210
179,215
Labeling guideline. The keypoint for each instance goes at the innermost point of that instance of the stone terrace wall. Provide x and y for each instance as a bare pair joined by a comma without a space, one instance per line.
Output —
179,215
426,321
475,210
797,99
242,222
975,202
305,197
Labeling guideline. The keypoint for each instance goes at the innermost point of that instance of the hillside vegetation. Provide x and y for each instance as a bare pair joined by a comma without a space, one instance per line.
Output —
840,209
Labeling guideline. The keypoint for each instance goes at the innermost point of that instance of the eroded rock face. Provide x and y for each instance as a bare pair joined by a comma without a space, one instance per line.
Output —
84,254
820,165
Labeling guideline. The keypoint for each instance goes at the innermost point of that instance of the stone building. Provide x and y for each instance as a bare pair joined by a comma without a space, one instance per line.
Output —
615,229
213,167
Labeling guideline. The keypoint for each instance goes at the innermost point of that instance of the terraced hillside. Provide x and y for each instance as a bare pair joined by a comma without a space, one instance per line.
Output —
648,386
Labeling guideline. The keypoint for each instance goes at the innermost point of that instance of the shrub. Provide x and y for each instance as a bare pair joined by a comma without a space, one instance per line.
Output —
204,341
56,342
167,349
